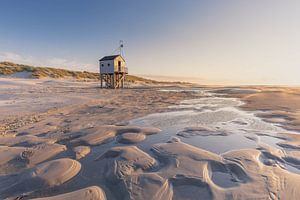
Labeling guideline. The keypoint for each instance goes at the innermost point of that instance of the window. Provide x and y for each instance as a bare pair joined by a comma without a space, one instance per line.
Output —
108,64
119,63
102,65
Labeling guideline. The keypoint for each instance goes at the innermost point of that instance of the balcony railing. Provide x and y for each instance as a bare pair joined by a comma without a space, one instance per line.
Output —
123,69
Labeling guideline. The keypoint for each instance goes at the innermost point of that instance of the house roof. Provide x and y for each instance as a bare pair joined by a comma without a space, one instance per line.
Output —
112,57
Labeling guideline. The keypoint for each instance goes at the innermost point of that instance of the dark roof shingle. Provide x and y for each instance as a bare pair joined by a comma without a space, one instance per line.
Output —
112,57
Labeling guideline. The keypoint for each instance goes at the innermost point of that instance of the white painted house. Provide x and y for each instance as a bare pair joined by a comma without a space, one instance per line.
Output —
113,71
111,64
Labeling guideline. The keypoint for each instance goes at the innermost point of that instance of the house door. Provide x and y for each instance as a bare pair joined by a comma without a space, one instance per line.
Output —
119,65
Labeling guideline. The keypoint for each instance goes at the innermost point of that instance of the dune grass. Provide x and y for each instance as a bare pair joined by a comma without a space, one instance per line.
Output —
9,68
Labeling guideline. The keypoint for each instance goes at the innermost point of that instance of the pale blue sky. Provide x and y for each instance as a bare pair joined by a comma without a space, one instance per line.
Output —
213,41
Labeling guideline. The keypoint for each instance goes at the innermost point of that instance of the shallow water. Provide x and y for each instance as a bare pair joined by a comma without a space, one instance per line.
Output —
292,169
215,124
229,127
273,141
220,144
224,180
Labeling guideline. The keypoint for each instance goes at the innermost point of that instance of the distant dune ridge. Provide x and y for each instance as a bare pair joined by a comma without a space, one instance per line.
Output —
10,69
26,71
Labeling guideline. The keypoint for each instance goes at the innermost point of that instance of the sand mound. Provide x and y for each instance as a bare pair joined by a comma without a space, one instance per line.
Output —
130,138
103,134
97,137
148,186
81,151
90,193
14,159
265,170
184,172
7,157
239,174
123,161
8,153
39,153
192,170
199,131
40,128
56,172
180,149
135,129
49,174
25,141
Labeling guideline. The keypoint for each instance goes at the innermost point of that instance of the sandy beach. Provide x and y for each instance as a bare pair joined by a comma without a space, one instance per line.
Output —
65,139
149,100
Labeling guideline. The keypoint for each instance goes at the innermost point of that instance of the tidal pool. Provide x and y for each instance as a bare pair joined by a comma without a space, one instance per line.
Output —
229,127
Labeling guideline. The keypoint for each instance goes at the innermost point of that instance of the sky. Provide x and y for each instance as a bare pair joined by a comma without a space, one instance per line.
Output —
206,41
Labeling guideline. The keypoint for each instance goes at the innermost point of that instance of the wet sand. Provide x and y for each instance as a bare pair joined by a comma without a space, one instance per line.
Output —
65,140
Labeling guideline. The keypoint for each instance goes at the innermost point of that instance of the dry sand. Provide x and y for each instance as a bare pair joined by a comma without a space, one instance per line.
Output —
69,140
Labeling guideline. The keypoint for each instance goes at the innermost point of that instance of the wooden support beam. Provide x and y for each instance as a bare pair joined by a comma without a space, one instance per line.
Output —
114,80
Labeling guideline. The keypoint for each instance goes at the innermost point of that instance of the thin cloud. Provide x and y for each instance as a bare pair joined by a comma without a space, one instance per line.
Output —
48,62
14,57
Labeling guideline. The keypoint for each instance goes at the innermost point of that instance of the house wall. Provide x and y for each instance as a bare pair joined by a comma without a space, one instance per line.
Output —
116,61
111,66
108,66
